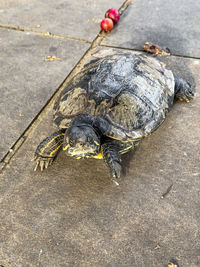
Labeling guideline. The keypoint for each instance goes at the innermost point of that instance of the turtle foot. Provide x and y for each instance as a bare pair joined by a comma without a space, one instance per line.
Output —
42,162
183,90
115,171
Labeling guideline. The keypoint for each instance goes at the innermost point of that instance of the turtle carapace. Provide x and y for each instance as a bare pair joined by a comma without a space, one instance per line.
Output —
117,99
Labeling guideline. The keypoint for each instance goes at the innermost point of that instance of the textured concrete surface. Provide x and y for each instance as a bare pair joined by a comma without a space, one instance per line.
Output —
80,19
72,215
174,24
27,80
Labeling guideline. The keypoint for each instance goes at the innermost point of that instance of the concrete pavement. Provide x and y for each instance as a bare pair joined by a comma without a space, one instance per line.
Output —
71,214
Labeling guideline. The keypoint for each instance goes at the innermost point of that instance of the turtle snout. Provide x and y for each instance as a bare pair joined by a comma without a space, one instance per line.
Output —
81,142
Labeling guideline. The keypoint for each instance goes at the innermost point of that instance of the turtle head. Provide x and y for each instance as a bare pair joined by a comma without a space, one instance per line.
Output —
81,141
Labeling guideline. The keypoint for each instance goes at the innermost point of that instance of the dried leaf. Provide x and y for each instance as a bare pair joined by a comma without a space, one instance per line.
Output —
47,34
51,58
156,49
157,247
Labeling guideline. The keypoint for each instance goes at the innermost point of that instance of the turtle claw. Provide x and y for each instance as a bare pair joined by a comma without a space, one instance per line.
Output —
183,90
34,159
114,181
42,162
115,171
37,163
46,164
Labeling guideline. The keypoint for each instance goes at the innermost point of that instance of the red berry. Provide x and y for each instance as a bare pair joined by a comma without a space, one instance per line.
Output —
113,14
107,24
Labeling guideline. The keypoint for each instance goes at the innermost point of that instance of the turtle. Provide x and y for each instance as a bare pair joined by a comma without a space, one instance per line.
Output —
109,106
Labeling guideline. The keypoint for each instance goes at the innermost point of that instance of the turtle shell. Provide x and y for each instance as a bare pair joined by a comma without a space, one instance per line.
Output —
131,91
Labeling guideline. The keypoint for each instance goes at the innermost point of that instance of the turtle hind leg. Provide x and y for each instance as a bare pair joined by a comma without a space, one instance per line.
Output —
48,149
183,90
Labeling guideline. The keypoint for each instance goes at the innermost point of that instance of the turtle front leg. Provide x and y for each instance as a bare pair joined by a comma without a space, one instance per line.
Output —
111,153
183,90
112,159
48,149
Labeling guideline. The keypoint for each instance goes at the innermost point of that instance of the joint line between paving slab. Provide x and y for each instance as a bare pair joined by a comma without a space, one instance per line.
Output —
96,42
140,50
49,34
44,34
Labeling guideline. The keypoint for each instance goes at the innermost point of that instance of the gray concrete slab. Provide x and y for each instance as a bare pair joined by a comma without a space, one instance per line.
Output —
80,19
27,80
72,215
174,24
